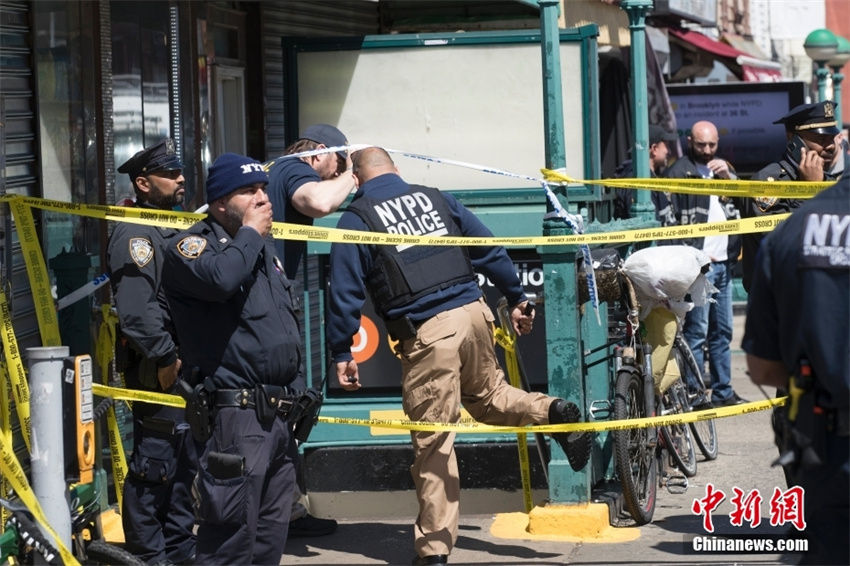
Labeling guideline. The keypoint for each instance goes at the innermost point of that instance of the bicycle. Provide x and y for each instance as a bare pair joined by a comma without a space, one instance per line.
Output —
23,539
635,449
704,431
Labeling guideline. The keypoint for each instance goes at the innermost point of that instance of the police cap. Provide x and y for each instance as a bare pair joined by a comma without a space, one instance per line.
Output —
818,118
159,157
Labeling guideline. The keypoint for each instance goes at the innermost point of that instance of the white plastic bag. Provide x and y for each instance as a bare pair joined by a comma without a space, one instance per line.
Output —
664,275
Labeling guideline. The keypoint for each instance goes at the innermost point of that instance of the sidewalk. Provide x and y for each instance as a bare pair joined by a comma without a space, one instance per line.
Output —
746,450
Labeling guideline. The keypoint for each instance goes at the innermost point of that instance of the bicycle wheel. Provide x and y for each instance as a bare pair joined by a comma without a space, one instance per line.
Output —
677,436
100,552
634,449
704,431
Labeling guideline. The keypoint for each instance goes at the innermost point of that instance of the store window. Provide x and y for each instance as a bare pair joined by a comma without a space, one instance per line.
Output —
140,74
67,133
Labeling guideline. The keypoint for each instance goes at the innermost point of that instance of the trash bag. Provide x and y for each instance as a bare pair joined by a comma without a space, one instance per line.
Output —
670,276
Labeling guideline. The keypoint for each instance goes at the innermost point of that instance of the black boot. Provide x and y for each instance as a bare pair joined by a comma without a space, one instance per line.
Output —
431,560
576,445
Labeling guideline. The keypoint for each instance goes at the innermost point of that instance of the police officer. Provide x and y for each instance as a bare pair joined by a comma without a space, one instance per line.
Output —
431,303
157,512
810,154
232,308
796,339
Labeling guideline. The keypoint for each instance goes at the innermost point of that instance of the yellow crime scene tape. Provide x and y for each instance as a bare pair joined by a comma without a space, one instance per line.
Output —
45,310
508,344
474,427
300,232
17,378
104,353
6,433
719,187
17,478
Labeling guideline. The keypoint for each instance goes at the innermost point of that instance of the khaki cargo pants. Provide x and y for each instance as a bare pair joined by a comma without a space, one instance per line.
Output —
450,362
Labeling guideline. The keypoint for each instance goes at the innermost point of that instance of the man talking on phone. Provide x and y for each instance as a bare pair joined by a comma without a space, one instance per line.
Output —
810,154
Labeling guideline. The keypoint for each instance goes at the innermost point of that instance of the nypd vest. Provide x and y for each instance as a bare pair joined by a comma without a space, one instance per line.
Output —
402,274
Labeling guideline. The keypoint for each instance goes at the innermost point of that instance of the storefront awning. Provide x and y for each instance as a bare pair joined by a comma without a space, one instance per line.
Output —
746,67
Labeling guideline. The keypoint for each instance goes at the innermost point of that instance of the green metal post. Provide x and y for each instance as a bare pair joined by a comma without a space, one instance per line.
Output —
553,104
837,78
563,330
636,11
822,74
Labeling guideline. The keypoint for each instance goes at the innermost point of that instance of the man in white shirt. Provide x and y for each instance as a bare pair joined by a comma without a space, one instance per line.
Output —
711,324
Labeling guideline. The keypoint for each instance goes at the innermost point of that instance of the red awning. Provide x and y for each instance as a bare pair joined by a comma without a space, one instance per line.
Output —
706,43
747,67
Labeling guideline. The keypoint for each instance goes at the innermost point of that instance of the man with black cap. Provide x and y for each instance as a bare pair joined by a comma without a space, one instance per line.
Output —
304,188
233,310
300,190
157,513
811,152
659,150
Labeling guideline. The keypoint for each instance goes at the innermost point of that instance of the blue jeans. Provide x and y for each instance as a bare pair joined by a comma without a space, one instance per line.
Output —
712,324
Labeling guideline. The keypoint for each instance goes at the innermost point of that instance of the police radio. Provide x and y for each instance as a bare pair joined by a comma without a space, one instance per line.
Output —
78,418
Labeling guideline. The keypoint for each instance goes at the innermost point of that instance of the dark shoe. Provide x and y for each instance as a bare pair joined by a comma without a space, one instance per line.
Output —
576,445
431,560
310,526
735,399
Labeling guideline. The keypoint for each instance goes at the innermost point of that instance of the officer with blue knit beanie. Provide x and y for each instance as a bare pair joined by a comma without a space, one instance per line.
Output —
233,311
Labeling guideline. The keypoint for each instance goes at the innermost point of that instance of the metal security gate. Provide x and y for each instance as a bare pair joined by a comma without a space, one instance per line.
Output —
19,155
18,171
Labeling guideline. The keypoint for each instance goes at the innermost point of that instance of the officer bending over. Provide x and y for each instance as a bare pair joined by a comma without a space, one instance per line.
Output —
233,312
430,301
796,338
157,513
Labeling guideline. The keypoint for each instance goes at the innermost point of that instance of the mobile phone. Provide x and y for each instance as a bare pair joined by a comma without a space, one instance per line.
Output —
796,147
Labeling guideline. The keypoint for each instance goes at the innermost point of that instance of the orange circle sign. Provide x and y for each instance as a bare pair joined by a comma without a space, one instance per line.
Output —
366,340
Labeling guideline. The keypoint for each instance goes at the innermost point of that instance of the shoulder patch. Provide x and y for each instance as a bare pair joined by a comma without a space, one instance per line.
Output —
191,246
141,251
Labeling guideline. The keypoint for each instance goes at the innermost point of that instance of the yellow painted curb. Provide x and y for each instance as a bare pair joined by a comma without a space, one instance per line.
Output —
113,531
568,523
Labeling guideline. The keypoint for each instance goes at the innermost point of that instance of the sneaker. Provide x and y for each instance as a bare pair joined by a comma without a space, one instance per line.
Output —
576,445
735,399
310,526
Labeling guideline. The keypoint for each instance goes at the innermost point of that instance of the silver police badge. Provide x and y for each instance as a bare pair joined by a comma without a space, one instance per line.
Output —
141,251
191,246
765,203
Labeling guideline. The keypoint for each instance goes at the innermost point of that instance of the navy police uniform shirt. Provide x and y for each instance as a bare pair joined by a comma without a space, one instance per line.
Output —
287,175
799,303
350,263
232,307
135,257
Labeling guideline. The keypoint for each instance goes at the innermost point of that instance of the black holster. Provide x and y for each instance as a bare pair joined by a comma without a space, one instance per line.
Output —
198,408
266,401
304,413
401,328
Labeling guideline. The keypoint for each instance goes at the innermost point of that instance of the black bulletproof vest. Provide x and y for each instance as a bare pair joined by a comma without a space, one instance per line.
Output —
402,274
